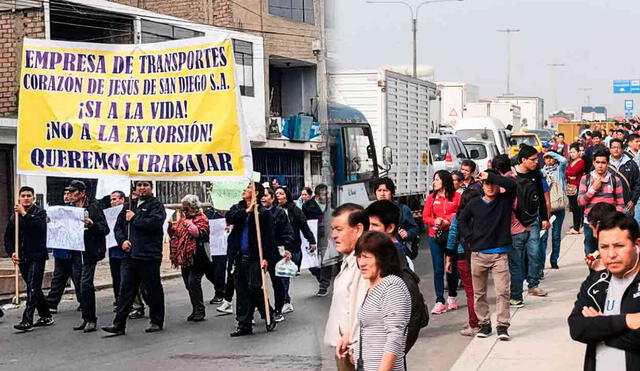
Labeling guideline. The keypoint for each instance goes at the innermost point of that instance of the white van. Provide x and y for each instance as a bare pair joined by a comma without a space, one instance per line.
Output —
484,129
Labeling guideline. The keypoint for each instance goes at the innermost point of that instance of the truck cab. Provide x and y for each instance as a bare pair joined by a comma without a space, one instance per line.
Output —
352,150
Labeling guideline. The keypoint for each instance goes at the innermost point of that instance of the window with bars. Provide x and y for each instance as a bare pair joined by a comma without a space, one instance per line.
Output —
153,32
243,53
297,10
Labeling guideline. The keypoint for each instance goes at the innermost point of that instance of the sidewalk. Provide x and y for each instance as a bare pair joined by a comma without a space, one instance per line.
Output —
102,279
539,332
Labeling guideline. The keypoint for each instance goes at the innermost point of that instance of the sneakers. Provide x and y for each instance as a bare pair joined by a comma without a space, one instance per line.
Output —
322,292
287,308
225,308
516,303
439,308
469,331
537,291
216,300
278,317
43,322
502,333
136,314
485,331
23,326
452,303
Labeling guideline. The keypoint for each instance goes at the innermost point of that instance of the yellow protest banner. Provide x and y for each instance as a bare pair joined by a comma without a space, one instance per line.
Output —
166,110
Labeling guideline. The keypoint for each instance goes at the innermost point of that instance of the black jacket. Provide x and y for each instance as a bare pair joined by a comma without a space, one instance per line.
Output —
312,210
32,235
631,173
298,223
238,217
282,231
144,231
487,226
611,329
94,237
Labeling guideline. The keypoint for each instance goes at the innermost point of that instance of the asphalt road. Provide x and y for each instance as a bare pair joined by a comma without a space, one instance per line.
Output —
295,345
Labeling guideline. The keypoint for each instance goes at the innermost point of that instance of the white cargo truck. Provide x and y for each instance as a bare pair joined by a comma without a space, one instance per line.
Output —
399,109
454,96
509,114
531,110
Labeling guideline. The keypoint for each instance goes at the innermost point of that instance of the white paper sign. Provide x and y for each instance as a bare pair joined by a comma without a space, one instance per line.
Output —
165,226
110,184
65,228
309,260
112,215
218,237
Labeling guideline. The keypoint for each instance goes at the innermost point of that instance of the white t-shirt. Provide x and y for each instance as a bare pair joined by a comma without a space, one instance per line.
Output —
609,358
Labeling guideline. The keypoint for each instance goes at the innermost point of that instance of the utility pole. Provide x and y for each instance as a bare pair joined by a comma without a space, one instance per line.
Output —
508,31
554,83
414,24
586,90
323,98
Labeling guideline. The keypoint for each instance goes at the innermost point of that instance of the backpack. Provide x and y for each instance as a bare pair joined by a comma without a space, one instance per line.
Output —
528,201
419,315
559,200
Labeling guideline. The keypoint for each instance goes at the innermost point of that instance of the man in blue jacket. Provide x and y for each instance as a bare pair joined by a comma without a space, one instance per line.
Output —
31,257
139,231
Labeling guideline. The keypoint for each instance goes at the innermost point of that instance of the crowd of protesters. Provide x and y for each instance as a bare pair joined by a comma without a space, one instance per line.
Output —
494,222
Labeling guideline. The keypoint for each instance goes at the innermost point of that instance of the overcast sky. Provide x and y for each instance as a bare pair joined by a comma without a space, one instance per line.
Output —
597,40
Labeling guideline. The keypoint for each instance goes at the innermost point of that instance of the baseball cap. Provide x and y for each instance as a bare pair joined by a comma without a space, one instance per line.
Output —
76,185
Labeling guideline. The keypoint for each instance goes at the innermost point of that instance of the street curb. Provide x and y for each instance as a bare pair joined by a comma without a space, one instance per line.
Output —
104,286
478,350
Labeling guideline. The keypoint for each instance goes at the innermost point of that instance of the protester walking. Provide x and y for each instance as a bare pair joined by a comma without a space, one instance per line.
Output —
439,209
624,167
485,225
67,264
244,254
606,314
298,223
116,253
305,195
30,257
139,231
575,171
386,310
468,170
554,170
457,244
283,235
599,185
189,232
532,212
317,208
95,231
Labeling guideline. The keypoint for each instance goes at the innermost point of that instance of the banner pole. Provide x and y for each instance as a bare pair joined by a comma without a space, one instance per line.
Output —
265,292
16,267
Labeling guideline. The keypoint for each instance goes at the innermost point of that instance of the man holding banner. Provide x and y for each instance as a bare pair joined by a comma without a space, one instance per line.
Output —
243,251
95,231
139,230
32,241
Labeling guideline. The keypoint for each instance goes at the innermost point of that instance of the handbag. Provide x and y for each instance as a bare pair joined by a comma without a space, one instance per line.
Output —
441,237
572,189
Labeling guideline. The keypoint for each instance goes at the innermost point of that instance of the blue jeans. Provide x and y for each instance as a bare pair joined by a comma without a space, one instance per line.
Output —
590,241
534,262
556,239
437,257
516,263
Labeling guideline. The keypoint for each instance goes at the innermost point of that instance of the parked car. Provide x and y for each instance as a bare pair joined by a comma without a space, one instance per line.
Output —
446,152
482,152
545,135
484,129
524,138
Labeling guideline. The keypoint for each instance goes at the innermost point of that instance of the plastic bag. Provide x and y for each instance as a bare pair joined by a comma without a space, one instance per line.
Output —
286,268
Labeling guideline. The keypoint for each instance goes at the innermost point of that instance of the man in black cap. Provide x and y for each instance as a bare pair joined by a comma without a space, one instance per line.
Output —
95,231
139,232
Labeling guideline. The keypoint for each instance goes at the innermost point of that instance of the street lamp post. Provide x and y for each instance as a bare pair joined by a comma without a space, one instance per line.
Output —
554,82
414,23
508,31
586,91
